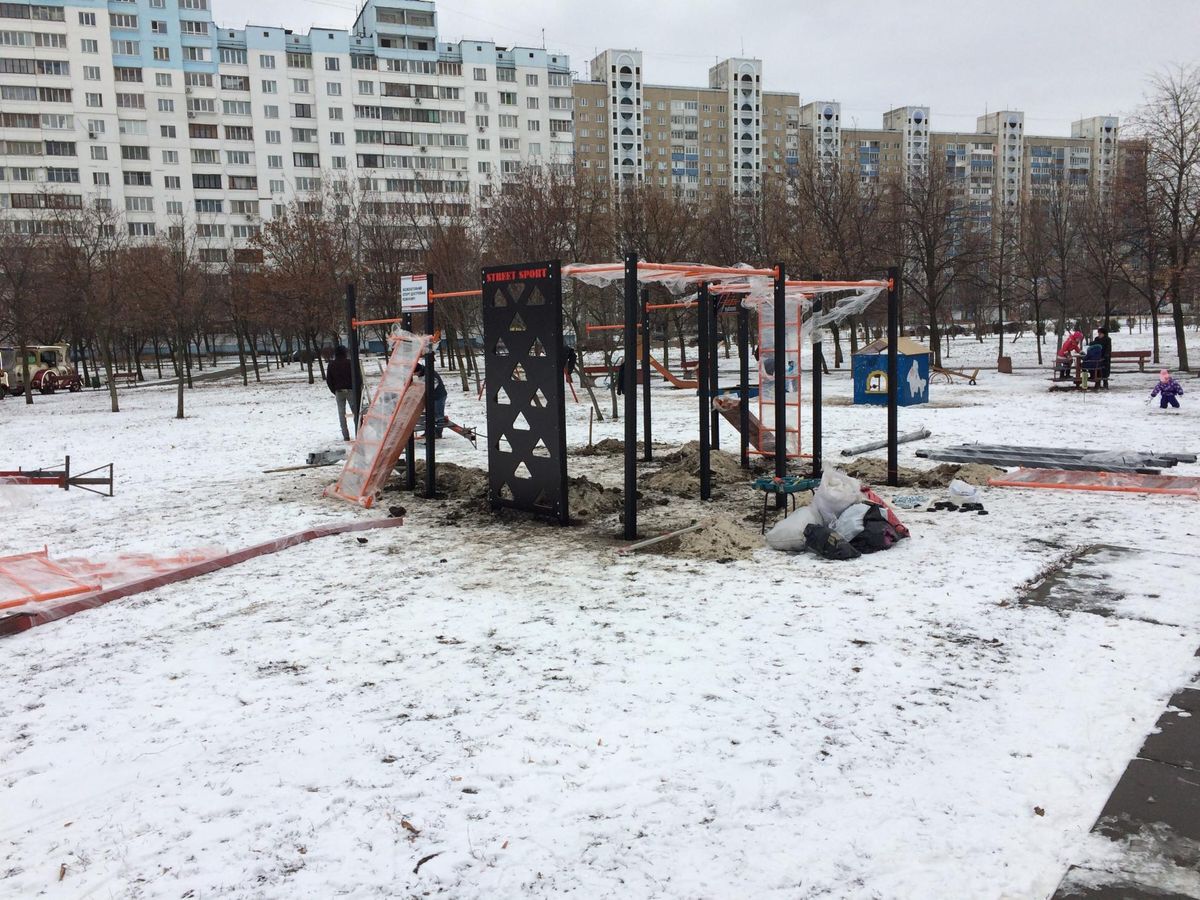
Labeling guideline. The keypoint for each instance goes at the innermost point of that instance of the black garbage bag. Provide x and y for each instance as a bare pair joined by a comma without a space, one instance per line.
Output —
828,543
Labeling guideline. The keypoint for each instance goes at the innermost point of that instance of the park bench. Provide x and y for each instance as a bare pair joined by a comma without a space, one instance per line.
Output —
1141,356
948,375
129,379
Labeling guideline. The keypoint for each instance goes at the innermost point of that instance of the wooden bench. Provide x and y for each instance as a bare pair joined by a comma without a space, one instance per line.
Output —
1142,357
950,374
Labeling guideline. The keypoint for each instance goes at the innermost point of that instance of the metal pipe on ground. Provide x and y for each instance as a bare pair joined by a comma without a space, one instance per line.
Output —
918,435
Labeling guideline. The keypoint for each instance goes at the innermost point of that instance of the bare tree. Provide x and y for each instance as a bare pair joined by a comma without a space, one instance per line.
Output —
942,243
1169,121
1033,247
22,271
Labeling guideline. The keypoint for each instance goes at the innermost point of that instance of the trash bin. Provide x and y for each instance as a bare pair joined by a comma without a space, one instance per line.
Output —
1004,365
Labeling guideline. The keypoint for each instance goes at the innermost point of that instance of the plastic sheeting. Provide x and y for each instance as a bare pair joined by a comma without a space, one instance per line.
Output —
756,285
1117,482
387,426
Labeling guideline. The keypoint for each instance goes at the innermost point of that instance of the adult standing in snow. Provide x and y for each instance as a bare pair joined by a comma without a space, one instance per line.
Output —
339,376
439,398
1106,343
1168,389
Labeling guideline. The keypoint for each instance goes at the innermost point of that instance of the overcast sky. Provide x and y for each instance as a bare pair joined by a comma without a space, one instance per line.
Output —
1057,60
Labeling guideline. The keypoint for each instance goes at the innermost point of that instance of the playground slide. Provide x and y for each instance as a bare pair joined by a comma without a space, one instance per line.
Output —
730,410
674,379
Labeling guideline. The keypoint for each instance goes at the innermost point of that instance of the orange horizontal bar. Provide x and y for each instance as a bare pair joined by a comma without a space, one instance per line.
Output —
653,306
359,323
448,294
590,328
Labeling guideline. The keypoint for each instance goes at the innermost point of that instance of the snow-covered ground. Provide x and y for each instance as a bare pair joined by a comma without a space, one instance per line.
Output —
550,719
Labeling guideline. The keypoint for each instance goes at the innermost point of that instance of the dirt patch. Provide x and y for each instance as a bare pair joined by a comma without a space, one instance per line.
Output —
874,471
978,473
606,447
680,472
458,482
466,488
588,500
720,540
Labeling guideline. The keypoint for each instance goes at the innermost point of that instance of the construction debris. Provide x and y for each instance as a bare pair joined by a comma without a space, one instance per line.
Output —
1129,462
919,435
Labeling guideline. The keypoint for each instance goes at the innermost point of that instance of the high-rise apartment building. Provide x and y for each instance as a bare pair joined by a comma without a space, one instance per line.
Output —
149,106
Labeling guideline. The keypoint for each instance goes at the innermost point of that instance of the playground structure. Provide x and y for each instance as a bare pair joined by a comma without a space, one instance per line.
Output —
61,477
524,353
50,369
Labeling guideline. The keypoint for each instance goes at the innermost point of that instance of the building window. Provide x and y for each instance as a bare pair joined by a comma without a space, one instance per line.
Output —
162,79
141,229
531,102
271,112
301,86
89,45
167,131
172,183
91,73
94,100
335,113
266,61
366,87
333,89
332,64
99,153
166,105
157,26
170,157
87,18
531,80
480,73
210,206
162,54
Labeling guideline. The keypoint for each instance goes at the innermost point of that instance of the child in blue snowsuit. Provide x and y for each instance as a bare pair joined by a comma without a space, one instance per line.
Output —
1167,389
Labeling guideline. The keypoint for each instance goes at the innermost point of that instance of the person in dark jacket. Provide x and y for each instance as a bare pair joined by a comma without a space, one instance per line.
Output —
439,398
1093,364
339,376
1105,342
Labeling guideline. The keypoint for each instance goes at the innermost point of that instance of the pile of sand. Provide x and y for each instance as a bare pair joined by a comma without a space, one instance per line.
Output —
455,481
721,540
606,447
680,472
871,470
588,500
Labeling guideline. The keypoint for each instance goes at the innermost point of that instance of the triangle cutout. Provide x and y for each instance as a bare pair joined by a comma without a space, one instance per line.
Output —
539,400
523,472
521,423
519,373
542,500
500,298
506,492
518,324
502,398
536,298
540,450
501,348
537,349
503,446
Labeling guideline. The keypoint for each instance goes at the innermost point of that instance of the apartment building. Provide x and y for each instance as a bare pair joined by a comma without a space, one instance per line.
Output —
694,139
148,106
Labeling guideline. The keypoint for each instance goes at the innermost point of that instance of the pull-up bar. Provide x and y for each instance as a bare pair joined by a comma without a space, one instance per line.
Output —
445,295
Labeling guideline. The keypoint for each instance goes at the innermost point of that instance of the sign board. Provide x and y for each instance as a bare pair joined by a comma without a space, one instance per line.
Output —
414,293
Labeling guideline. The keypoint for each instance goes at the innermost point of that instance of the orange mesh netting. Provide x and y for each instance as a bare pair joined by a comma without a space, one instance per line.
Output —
1061,480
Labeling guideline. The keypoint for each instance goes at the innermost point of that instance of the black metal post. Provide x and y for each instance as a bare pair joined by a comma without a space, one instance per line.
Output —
356,385
714,361
629,374
893,417
410,453
430,417
703,391
743,339
780,370
817,359
647,452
